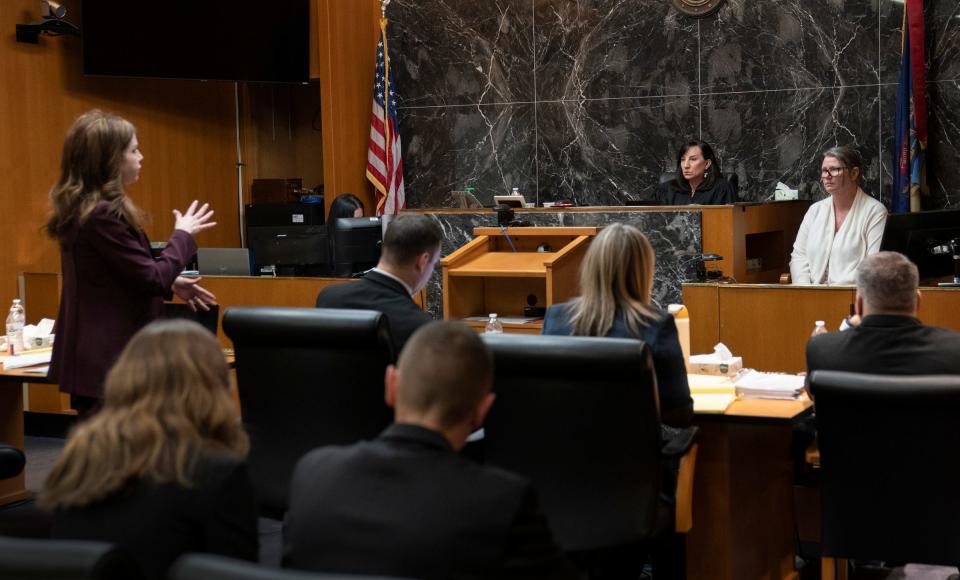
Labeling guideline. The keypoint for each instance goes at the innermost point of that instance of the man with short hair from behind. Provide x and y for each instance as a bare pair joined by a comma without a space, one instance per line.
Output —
410,252
406,504
890,339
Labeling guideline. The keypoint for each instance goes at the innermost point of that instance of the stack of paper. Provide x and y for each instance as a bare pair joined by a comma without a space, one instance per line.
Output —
26,360
760,385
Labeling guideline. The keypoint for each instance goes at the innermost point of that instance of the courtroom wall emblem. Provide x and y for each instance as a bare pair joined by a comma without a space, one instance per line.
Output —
697,7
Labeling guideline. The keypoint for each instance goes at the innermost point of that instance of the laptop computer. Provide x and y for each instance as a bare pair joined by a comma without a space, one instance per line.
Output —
223,261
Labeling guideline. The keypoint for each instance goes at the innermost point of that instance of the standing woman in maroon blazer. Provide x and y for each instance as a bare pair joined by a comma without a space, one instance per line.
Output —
112,284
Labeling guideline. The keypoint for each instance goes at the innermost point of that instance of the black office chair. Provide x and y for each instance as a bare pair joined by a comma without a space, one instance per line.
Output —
579,417
208,567
65,560
889,470
307,377
12,461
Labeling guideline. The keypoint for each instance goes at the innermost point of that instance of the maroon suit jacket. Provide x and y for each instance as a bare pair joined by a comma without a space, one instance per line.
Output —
112,287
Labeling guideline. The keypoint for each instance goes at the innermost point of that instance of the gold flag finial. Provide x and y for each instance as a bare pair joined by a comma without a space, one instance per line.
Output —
383,7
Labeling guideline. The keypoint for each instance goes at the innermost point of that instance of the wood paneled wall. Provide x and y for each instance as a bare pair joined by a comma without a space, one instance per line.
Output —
347,35
186,130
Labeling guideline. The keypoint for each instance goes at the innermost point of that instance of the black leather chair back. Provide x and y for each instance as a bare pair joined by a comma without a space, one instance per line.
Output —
12,461
22,559
207,567
578,416
307,377
888,454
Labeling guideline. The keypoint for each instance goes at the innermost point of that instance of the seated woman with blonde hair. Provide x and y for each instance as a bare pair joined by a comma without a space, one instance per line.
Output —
160,469
616,282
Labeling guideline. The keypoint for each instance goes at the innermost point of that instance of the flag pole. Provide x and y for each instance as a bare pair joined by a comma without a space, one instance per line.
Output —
386,104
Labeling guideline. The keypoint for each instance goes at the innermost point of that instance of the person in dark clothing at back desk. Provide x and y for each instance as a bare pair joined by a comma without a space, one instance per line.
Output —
406,504
411,249
697,180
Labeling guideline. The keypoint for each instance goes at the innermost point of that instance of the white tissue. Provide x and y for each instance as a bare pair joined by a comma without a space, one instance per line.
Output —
720,354
38,335
783,192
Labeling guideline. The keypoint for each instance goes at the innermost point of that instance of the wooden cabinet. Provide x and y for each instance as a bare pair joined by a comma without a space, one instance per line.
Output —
503,271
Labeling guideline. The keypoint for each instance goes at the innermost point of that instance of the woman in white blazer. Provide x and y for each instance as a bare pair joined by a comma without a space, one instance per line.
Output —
841,230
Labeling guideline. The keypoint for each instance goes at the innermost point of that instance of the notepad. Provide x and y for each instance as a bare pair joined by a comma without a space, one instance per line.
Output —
710,384
712,402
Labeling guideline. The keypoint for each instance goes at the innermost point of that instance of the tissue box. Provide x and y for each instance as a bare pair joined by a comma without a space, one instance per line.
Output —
727,368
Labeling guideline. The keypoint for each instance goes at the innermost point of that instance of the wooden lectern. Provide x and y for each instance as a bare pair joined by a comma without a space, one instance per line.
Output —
500,270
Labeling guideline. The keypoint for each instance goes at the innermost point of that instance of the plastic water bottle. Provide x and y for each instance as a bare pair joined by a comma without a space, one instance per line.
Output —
819,328
493,324
15,321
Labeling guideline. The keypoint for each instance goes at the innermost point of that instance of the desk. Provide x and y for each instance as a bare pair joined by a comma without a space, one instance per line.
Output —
769,324
743,520
11,426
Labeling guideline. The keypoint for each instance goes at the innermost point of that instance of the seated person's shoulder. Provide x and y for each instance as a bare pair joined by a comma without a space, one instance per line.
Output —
214,466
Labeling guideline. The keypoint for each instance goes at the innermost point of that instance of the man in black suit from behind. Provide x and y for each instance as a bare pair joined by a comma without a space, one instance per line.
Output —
889,340
411,249
406,504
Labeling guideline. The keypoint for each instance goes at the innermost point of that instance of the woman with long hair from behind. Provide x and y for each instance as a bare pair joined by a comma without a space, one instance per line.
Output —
160,469
616,286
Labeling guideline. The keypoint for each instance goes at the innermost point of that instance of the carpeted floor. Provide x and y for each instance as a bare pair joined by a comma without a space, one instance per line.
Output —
42,453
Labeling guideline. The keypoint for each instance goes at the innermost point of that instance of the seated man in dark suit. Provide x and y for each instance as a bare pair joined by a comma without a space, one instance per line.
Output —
411,249
889,339
406,504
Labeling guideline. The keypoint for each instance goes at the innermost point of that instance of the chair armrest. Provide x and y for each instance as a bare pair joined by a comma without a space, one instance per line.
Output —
812,454
683,517
12,461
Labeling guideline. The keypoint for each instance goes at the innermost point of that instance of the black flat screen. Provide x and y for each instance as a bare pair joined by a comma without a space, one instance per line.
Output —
235,40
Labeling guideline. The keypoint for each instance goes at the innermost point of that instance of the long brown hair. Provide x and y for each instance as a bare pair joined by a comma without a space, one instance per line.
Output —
166,399
616,275
90,172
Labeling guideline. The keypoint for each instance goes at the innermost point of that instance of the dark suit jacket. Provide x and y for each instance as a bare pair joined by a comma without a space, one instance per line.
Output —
887,345
406,505
112,287
159,523
378,292
719,192
676,404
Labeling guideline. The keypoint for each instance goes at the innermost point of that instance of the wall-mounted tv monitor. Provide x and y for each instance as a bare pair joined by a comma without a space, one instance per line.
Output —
233,40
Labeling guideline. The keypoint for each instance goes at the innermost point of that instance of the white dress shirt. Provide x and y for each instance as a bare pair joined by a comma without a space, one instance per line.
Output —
820,254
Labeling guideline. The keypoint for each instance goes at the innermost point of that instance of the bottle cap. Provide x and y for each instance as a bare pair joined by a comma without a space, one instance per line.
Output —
821,323
493,315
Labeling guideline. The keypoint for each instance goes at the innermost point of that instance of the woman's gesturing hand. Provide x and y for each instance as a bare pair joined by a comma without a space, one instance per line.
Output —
194,220
196,296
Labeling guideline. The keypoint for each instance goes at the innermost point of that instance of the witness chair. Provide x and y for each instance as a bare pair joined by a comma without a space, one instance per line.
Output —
579,417
307,377
209,567
12,461
65,560
888,468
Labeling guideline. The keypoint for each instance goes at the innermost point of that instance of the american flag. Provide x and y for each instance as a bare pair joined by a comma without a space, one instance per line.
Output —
384,160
